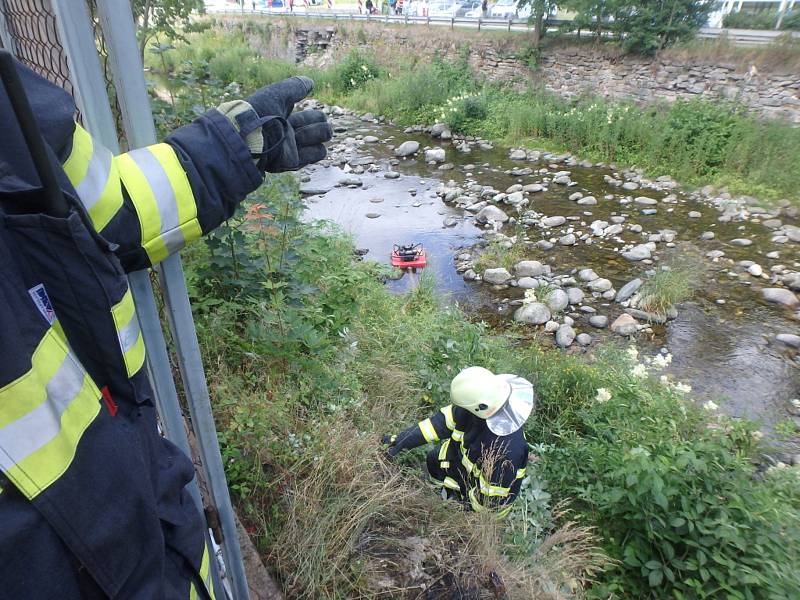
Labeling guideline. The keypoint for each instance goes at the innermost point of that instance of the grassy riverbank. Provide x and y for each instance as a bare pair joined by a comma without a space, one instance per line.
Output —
633,491
698,142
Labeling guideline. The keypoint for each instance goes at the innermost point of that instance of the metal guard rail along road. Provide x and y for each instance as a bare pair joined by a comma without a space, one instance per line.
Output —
739,37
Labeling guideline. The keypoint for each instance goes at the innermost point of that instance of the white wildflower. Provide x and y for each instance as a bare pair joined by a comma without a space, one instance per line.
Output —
711,405
530,296
757,435
664,379
639,451
795,402
603,395
632,352
661,361
639,371
683,388
778,466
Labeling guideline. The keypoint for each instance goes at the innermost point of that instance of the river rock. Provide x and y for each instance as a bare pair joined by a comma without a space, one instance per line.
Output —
450,221
598,321
780,296
584,339
517,155
407,148
562,180
434,155
371,139
587,275
391,175
496,276
637,253
628,290
755,270
491,214
567,240
372,215
528,283
470,275
533,188
555,221
600,285
693,214
741,242
530,268
515,199
792,232
625,325
438,129
575,295
565,335
308,189
557,300
551,326
645,201
534,313
576,196
630,186
351,181
647,316
788,339
587,201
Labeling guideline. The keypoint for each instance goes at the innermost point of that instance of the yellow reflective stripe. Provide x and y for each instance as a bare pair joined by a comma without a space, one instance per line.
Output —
443,449
504,511
447,411
130,338
428,432
205,572
458,435
521,473
92,171
162,195
193,592
77,162
445,464
474,502
468,464
487,489
44,414
451,483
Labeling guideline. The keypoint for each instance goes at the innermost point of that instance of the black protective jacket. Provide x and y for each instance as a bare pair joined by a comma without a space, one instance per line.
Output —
472,462
94,501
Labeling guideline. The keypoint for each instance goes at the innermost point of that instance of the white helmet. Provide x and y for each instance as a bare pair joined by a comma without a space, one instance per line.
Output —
505,401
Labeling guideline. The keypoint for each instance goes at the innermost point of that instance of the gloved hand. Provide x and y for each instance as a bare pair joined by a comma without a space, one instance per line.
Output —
279,140
389,440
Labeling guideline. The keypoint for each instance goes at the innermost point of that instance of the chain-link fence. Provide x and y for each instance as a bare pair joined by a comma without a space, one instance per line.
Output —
32,35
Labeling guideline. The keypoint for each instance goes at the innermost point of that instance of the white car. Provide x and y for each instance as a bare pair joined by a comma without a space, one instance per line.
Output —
510,9
443,9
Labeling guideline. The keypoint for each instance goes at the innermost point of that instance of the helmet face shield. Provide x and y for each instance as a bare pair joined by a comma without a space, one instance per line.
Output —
515,412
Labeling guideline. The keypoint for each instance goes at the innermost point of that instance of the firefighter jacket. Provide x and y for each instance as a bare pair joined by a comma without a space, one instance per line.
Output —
471,461
93,501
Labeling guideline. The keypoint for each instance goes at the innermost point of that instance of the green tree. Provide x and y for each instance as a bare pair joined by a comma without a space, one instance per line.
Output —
540,10
648,26
161,17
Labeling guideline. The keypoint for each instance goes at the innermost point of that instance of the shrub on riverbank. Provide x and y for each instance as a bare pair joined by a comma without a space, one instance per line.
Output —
310,360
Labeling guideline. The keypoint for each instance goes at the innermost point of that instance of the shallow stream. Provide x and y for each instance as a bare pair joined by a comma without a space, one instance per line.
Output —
726,352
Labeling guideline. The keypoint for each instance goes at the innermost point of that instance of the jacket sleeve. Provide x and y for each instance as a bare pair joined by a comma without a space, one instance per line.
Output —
436,427
153,201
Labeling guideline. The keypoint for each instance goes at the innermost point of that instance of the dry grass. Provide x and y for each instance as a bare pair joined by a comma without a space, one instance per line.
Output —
782,56
358,527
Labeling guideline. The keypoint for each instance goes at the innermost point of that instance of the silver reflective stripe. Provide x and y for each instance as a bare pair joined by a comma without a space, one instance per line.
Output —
174,240
90,189
129,335
161,186
33,431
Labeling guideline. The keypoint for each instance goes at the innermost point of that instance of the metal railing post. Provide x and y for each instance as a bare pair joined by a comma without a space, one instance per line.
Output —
117,22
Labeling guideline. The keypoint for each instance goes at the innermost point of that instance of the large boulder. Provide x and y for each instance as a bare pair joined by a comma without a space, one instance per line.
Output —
530,268
565,335
534,313
557,300
406,148
497,276
780,296
625,325
491,214
637,253
628,290
435,155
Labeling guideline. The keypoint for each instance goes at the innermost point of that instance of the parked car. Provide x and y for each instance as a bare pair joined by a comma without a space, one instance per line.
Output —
443,8
466,7
510,9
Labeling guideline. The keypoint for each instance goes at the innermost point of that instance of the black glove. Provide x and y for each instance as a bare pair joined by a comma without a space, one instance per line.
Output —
291,140
389,440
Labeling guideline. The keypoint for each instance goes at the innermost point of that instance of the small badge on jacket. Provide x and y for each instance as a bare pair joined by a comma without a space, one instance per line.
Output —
42,302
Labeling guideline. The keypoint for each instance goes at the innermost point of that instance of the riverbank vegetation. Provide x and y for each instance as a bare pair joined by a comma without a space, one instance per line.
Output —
697,142
633,491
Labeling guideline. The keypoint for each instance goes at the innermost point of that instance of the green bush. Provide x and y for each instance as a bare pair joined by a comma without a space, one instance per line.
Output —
354,72
762,19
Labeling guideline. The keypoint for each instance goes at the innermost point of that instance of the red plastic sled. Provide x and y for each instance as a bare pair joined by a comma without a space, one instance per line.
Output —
409,256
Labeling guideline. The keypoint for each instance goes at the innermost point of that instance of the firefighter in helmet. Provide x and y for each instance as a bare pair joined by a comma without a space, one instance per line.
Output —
481,453
93,501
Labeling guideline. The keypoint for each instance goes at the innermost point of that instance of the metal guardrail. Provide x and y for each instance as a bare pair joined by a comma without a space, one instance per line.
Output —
739,37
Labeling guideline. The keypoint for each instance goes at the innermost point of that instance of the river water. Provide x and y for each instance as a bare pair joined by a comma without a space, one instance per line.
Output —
723,351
